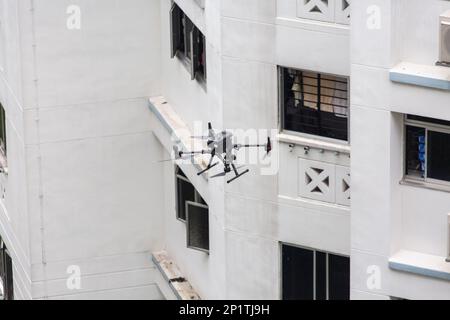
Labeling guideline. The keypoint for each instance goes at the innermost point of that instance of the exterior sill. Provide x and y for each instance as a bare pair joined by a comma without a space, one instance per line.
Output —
436,77
425,185
177,129
179,285
421,264
313,143
314,25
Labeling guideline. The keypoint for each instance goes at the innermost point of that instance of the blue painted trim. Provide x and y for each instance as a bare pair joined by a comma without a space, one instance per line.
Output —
420,271
419,81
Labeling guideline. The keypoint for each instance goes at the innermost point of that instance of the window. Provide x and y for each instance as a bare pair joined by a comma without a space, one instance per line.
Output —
314,103
427,149
448,239
197,218
188,43
6,274
185,192
2,131
192,209
314,275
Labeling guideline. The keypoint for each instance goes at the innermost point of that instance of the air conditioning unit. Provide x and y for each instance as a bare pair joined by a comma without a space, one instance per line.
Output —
444,57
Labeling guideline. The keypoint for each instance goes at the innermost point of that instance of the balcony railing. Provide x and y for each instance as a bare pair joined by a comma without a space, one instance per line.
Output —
334,11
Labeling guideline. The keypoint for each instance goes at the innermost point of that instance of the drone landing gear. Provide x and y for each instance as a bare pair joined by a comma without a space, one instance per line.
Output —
209,167
237,174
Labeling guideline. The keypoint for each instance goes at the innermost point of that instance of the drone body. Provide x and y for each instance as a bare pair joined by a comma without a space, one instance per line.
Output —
221,146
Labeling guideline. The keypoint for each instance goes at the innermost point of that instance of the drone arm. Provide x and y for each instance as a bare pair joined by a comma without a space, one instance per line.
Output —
267,146
240,146
193,153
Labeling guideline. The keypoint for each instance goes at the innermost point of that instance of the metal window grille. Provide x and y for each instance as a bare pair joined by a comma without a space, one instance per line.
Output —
315,103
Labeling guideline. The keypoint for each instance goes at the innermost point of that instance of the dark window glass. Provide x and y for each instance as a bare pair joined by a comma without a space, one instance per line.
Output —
200,199
176,29
9,283
185,192
298,275
199,54
2,130
338,277
438,165
188,42
193,209
187,29
180,172
427,150
6,273
181,28
309,275
315,103
321,276
197,217
415,151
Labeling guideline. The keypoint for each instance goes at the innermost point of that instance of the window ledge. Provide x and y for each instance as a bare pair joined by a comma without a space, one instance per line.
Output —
437,77
180,286
313,143
421,264
314,25
176,128
427,185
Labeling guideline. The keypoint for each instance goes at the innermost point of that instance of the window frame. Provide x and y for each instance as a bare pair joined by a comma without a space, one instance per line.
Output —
197,195
188,62
314,251
201,77
7,274
199,205
427,126
3,141
281,108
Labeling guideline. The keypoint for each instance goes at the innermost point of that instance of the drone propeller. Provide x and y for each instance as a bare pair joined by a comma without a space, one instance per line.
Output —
268,145
268,148
211,132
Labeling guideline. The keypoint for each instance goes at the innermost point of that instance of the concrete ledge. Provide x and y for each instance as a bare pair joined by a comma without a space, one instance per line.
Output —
421,264
313,143
176,131
180,286
436,77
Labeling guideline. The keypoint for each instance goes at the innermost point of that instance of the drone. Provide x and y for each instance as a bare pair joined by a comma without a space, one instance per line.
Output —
220,145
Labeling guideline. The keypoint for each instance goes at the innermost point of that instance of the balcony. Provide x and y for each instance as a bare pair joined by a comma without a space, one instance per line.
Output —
334,11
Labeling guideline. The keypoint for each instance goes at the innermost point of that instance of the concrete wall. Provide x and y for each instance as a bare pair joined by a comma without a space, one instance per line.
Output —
250,217
83,186
195,102
399,217
14,218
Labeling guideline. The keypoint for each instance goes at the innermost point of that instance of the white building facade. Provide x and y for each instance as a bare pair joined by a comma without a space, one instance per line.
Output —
353,202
